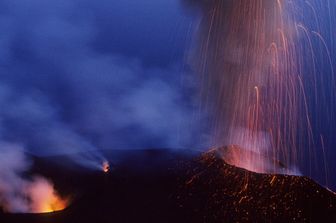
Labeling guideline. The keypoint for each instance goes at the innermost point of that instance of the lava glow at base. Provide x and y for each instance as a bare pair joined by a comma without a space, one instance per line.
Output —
44,198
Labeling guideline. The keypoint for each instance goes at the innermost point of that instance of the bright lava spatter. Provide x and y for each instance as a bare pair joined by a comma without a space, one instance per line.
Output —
257,62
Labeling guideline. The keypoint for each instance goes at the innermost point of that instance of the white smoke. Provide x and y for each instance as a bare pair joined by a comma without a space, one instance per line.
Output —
19,194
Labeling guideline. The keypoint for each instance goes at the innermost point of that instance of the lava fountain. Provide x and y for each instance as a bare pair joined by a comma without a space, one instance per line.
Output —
254,80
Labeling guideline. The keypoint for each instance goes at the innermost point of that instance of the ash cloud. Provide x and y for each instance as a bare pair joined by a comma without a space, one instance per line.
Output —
77,76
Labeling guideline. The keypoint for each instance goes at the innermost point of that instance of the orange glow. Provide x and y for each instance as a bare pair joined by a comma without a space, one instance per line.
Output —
106,166
54,203
45,198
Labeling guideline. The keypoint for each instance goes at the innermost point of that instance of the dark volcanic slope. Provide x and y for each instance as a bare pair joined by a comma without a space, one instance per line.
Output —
237,195
166,186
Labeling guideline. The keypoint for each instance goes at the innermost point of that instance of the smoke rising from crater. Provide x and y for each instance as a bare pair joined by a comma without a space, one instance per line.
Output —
22,194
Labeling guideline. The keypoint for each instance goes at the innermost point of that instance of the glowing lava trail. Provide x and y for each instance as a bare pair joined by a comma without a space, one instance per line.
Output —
260,63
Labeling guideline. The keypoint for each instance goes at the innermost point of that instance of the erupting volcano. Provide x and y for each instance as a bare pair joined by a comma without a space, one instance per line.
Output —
164,185
91,97
258,69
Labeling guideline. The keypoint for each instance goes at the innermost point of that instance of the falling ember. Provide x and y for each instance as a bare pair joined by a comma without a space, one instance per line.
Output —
106,166
259,79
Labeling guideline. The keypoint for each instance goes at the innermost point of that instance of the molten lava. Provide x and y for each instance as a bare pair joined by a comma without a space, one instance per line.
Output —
106,166
54,203
254,81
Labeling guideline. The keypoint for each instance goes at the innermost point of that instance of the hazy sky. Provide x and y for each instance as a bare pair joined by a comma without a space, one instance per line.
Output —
104,74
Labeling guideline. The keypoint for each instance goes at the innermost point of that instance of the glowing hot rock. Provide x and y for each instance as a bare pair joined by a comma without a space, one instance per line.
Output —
106,167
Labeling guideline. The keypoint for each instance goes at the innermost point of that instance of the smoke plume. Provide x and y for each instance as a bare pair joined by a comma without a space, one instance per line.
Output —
20,194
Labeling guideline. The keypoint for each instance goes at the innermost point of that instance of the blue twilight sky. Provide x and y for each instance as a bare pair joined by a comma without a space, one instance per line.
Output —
84,74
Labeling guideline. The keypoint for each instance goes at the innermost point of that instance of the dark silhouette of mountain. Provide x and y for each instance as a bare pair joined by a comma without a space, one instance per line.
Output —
174,186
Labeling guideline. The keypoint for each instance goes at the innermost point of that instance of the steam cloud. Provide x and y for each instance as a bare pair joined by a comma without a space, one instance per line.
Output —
19,194
65,88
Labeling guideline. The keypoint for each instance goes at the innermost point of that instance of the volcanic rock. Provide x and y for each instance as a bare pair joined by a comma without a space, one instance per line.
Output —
174,186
